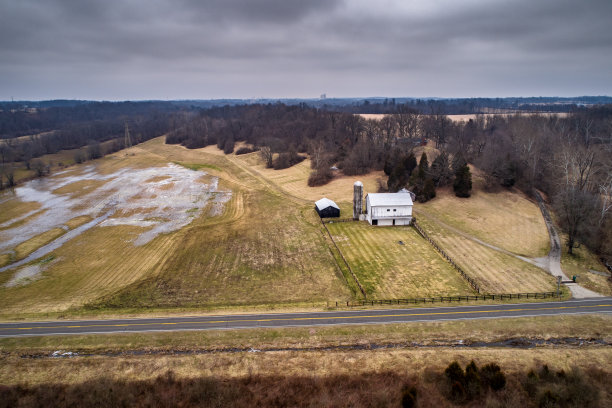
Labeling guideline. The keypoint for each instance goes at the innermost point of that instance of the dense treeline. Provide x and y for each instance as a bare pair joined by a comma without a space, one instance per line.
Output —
31,121
54,128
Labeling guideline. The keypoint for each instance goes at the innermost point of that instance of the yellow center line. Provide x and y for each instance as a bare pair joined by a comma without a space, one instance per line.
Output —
306,318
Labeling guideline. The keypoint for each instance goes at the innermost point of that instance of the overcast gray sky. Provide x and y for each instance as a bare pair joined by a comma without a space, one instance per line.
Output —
192,49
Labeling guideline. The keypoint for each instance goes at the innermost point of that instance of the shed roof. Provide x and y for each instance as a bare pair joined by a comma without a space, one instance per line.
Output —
389,199
324,203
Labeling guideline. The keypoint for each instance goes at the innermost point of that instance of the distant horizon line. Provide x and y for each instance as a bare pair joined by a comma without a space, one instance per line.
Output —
307,99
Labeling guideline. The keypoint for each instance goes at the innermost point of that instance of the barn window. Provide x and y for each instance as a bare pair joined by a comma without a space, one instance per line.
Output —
388,210
394,210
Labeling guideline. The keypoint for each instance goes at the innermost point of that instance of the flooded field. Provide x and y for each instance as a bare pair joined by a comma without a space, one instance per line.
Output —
157,199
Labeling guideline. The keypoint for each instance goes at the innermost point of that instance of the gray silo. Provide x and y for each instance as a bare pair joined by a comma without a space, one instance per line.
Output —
357,199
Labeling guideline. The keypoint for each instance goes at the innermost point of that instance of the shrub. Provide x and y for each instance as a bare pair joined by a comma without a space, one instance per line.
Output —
454,372
492,376
245,150
320,177
561,389
79,156
548,399
409,397
458,393
228,147
286,160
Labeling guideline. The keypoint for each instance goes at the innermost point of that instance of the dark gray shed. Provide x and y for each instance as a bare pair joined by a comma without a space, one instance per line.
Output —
326,208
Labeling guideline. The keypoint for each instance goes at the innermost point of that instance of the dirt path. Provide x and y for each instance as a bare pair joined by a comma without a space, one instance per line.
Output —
479,241
550,263
265,181
553,260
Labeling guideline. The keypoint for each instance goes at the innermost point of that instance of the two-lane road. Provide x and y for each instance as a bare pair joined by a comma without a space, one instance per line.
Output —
276,320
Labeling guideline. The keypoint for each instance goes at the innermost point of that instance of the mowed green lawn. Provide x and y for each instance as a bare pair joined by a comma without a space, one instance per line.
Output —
387,269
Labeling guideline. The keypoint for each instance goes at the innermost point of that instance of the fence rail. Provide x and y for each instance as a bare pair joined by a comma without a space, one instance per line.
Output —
338,220
345,261
448,299
465,276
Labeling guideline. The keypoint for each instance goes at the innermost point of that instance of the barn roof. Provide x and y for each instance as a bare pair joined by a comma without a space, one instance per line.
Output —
389,199
324,203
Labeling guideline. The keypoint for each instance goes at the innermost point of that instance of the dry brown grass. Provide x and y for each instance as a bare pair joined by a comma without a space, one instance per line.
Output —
294,180
465,118
27,247
581,263
495,272
263,249
506,219
290,378
12,208
424,333
101,261
80,188
156,179
372,116
78,221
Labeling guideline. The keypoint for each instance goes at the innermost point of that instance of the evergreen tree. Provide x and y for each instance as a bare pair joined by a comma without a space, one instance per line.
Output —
463,182
423,166
440,170
410,164
421,184
458,162
429,190
400,175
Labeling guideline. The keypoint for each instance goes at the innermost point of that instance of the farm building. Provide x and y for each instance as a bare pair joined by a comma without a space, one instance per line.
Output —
327,208
389,208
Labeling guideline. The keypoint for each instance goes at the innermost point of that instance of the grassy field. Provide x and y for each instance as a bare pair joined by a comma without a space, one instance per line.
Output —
423,333
264,248
494,271
387,269
294,181
267,246
507,219
581,263
310,369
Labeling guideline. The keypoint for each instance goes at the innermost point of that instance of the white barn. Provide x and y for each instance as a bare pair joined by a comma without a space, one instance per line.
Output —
389,208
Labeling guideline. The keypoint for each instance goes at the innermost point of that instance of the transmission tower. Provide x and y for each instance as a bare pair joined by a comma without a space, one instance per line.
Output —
127,141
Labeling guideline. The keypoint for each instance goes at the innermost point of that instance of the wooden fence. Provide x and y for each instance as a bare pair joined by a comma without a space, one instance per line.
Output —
344,259
465,276
448,299
337,220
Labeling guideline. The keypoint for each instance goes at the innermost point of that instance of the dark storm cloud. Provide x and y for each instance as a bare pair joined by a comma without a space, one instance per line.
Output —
199,49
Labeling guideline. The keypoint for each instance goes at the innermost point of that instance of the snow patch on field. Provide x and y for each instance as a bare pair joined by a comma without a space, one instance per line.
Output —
162,199
28,274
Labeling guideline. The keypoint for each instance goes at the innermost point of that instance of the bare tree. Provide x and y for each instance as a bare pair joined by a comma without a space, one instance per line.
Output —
266,155
605,192
575,208
317,157
577,163
407,122
388,125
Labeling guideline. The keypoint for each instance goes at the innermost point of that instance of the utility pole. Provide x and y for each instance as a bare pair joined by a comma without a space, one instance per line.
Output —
127,141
